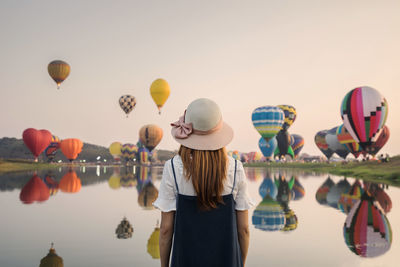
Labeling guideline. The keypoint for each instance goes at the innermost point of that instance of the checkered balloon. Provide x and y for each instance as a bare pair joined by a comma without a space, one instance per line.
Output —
127,103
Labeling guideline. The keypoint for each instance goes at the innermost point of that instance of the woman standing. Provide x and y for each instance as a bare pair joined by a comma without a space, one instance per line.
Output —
203,194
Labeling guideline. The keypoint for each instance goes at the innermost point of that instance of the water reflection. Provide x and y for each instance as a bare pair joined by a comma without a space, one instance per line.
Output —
153,247
34,191
124,229
367,231
52,259
70,182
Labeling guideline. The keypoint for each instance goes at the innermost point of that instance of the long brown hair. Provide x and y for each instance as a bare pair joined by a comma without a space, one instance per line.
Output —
207,169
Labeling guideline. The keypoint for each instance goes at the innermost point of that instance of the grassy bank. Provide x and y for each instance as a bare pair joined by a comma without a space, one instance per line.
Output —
11,165
388,172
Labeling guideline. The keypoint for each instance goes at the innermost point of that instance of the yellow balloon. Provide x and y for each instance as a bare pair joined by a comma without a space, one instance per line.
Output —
160,91
115,149
58,71
153,247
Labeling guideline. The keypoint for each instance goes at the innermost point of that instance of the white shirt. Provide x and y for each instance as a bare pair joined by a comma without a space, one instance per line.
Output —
166,200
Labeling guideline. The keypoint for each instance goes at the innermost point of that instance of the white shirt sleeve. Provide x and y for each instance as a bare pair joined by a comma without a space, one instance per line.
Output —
166,200
243,200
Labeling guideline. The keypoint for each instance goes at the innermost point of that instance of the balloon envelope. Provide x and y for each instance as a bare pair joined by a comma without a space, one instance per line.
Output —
58,71
150,136
127,103
380,142
160,91
268,121
364,112
129,151
267,148
115,150
334,144
71,148
297,145
36,140
320,141
345,138
290,115
51,150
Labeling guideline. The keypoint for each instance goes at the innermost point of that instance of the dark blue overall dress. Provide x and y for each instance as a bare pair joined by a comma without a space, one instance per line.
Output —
205,238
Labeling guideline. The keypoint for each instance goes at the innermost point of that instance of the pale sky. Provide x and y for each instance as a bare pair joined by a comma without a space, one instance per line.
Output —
241,54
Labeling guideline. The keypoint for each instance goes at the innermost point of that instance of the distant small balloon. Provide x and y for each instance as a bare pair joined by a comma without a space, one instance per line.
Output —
127,103
58,71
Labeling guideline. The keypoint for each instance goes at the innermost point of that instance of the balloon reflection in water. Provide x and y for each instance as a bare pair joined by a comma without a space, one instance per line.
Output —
128,180
336,191
298,190
269,215
124,229
52,259
268,188
367,231
153,247
380,195
148,195
285,194
349,198
34,190
70,182
254,174
323,191
51,184
114,182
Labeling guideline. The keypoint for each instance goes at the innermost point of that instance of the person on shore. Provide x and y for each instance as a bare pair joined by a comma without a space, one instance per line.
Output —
203,194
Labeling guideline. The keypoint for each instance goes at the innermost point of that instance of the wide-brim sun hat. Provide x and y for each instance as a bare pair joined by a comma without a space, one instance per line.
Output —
201,127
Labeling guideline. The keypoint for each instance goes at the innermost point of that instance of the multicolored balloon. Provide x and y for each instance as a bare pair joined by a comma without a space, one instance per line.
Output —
345,138
364,112
290,115
160,91
51,150
150,136
320,141
127,103
380,142
297,145
144,156
323,191
268,121
333,143
267,148
367,231
283,148
268,215
36,140
58,71
349,198
71,148
129,151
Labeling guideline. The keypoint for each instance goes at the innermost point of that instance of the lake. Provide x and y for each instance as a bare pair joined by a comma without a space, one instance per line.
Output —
300,219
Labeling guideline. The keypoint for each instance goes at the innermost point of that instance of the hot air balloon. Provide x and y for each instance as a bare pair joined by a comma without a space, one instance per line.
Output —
143,154
290,115
297,145
71,148
58,71
124,229
333,143
336,191
148,195
320,141
349,198
364,112
160,91
36,140
380,142
268,121
34,190
153,247
347,140
129,152
150,136
70,183
52,259
115,150
51,150
127,103
268,215
268,148
367,231
323,191
283,148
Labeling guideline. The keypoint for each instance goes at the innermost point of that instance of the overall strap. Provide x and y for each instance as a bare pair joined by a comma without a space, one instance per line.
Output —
234,177
173,171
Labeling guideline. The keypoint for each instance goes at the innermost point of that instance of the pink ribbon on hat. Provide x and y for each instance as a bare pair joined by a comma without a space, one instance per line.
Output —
183,130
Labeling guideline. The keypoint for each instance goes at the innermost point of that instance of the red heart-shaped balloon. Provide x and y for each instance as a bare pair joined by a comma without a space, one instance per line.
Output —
36,140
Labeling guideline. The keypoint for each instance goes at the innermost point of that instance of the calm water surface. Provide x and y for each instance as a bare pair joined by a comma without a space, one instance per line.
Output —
299,219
